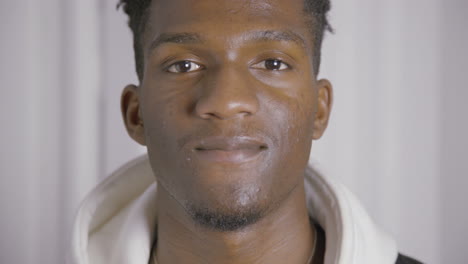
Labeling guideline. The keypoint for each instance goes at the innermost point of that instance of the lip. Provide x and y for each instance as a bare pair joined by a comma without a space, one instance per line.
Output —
238,149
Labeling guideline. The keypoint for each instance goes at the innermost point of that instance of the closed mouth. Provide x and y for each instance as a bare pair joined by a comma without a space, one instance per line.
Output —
229,149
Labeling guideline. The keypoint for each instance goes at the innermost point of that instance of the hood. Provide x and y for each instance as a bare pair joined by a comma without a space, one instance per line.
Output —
116,222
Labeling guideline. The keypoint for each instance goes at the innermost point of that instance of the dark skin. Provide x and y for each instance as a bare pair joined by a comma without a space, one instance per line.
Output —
228,108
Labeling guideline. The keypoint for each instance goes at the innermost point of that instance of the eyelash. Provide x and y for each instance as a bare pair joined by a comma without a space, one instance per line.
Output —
283,65
173,67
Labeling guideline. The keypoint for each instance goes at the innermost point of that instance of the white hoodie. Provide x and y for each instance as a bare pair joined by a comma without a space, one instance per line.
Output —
116,222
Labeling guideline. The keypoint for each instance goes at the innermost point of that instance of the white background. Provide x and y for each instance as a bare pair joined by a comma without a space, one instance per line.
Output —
397,137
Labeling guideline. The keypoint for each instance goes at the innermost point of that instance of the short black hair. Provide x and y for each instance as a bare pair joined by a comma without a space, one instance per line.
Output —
137,11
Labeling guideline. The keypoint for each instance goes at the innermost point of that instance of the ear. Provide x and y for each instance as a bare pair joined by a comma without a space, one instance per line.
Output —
130,106
324,106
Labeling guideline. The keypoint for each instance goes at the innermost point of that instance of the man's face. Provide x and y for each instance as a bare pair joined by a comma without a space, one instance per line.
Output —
228,104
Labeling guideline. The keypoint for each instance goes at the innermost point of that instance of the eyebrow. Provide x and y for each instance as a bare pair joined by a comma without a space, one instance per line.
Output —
253,36
275,35
176,38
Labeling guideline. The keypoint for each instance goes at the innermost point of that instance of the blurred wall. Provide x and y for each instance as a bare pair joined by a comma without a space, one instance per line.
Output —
397,136
453,127
384,137
59,111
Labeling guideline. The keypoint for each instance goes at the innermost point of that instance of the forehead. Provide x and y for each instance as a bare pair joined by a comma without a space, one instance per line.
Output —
225,18
196,9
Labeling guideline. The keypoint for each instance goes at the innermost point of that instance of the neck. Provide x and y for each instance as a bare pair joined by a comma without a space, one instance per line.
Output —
285,235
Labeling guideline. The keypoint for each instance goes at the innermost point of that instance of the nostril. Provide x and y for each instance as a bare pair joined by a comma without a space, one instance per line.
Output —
210,116
246,113
226,105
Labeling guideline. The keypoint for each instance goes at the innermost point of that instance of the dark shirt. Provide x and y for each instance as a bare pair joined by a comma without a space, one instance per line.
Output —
402,259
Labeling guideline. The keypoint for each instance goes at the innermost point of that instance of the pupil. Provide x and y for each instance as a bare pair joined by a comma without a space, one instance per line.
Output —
272,64
184,66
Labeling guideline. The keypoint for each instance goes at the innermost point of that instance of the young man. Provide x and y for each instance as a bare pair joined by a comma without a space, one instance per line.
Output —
228,105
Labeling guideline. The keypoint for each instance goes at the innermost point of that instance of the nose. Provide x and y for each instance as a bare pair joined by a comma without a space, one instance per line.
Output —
226,94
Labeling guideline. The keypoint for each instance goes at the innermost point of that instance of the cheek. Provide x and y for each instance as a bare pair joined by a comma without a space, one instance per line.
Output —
293,115
293,118
302,118
168,122
164,112
291,124
156,124
161,130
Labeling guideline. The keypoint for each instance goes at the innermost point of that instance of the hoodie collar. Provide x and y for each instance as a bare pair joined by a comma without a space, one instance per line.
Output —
116,222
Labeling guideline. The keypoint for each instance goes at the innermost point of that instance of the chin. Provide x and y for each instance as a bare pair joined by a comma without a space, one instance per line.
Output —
226,219
230,207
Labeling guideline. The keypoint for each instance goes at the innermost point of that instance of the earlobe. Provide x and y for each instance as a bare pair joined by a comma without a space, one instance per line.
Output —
130,107
324,106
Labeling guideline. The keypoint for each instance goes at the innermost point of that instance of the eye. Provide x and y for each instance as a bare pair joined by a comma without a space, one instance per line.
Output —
183,67
272,65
